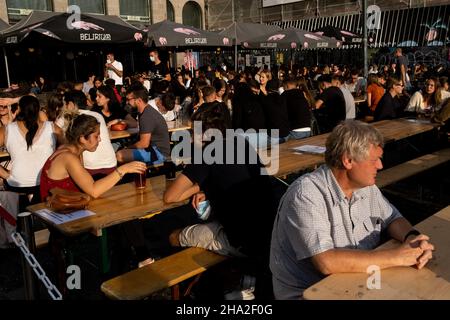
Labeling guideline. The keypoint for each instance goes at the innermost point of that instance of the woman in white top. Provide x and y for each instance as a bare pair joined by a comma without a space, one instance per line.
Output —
29,142
429,99
103,160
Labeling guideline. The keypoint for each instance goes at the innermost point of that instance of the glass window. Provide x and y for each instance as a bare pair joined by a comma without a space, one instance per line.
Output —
17,9
90,6
170,11
192,14
136,10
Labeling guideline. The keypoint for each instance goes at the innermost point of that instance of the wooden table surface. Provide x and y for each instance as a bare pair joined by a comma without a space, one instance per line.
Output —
292,162
178,125
114,135
171,125
120,204
431,282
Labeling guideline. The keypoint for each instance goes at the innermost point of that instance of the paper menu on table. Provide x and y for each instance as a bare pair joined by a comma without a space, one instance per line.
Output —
58,218
310,149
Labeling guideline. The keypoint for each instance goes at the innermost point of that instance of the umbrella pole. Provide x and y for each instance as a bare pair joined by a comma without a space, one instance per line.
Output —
235,57
6,66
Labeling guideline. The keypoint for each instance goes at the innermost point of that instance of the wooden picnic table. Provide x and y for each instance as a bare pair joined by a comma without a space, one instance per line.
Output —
400,283
173,126
120,204
293,162
115,135
178,125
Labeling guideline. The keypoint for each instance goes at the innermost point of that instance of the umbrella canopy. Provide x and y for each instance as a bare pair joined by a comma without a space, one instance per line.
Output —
3,25
170,34
64,27
243,31
346,37
291,38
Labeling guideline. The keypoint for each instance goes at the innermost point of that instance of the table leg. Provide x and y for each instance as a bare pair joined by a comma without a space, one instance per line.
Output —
104,254
25,227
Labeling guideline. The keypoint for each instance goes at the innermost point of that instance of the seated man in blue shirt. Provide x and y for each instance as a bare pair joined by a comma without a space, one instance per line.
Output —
329,221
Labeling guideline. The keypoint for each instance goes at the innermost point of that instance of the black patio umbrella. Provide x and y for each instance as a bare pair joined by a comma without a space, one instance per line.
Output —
170,34
240,32
345,36
65,27
244,31
291,38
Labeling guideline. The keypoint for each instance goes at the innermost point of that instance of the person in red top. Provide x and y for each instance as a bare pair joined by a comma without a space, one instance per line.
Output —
64,168
375,91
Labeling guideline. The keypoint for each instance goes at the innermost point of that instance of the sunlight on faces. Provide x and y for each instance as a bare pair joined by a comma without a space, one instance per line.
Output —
263,79
430,86
91,142
363,173
102,101
3,110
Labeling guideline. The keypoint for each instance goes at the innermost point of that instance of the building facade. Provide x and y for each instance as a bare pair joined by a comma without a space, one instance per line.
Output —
138,12
220,13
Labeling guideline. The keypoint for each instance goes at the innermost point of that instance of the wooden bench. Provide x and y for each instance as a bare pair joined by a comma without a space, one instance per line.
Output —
168,272
412,167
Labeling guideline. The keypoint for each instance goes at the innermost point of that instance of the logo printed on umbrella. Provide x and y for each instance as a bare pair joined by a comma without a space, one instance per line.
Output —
312,36
195,41
226,41
86,26
293,45
276,37
138,36
162,41
186,31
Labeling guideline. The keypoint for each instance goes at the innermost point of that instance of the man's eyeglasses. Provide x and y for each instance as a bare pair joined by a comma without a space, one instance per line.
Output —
3,107
399,84
129,99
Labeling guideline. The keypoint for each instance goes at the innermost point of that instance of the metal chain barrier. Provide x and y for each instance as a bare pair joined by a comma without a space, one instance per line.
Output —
40,273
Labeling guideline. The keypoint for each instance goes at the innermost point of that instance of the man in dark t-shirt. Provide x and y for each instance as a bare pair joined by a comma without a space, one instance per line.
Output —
240,197
154,143
330,104
158,68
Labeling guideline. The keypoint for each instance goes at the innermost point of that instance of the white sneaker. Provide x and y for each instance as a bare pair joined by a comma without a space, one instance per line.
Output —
146,262
246,294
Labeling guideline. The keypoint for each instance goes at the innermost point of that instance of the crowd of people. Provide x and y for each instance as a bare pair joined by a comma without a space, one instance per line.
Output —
64,142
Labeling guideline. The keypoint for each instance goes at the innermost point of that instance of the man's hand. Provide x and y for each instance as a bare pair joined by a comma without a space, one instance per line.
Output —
407,255
421,241
197,198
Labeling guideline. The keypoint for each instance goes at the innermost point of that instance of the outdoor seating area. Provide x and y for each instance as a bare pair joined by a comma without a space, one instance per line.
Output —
162,161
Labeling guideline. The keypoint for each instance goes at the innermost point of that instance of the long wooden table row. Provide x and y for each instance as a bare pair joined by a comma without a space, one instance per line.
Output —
124,202
293,162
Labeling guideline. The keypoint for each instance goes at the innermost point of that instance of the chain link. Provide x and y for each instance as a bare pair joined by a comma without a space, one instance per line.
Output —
40,273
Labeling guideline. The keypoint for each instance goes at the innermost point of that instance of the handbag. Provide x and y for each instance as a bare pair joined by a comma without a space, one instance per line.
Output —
63,201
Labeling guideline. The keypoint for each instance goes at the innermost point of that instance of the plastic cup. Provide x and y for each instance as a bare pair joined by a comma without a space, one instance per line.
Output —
140,180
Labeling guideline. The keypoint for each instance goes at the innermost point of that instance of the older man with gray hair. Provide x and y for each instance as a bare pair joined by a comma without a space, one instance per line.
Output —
329,221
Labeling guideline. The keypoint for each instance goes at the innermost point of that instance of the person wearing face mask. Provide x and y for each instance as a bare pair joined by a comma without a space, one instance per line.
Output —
159,68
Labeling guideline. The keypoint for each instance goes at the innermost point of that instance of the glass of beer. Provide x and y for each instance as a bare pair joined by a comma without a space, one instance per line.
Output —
140,180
